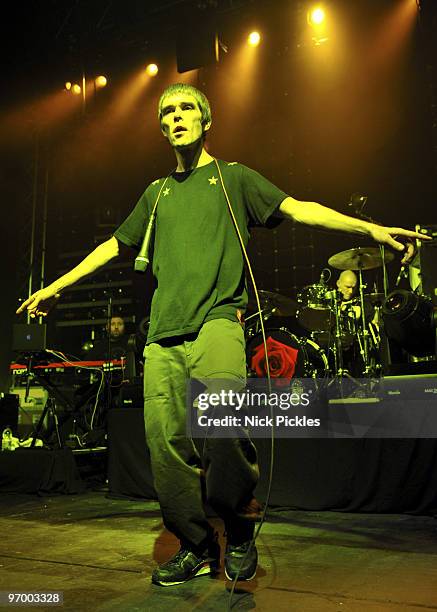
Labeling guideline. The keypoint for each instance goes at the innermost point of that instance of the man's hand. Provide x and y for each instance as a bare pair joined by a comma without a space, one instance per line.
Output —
397,238
317,215
40,303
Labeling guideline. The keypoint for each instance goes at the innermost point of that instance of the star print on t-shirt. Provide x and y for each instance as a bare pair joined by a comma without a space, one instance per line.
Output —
213,180
166,191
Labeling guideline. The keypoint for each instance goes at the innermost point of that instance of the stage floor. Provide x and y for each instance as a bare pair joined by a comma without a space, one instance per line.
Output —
100,552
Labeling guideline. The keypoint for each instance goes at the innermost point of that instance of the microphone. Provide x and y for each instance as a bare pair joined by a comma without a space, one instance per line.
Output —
142,259
403,273
323,280
357,202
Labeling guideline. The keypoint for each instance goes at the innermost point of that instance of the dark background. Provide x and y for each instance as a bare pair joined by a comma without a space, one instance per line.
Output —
356,113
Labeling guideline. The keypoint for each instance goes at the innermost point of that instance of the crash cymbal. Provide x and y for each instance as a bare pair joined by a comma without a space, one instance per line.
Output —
277,304
359,259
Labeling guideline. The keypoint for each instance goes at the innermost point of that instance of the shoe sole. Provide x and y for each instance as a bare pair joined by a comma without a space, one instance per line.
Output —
239,577
203,570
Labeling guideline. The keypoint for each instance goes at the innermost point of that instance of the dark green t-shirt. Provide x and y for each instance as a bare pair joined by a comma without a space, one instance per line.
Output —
197,258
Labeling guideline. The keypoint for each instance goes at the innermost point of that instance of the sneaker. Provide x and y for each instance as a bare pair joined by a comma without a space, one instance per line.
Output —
186,564
239,561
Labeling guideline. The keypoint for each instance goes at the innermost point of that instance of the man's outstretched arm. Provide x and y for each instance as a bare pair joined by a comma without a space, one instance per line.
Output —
312,213
40,302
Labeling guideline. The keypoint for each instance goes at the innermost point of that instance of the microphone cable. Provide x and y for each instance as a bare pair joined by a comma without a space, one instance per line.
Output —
141,263
272,443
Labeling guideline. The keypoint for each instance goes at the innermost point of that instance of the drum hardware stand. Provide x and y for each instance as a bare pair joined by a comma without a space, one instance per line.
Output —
269,312
266,314
367,332
339,372
383,337
364,343
338,349
358,202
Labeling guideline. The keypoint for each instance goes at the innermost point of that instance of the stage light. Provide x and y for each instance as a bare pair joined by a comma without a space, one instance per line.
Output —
101,81
254,39
316,16
410,321
76,89
68,85
152,70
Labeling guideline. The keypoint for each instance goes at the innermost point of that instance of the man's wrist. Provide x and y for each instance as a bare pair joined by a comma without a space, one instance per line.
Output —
366,227
57,287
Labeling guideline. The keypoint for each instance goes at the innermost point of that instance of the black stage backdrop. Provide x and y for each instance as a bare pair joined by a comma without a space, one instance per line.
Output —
349,475
352,475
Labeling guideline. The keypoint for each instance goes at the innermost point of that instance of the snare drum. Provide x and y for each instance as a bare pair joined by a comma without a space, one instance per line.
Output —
315,312
289,356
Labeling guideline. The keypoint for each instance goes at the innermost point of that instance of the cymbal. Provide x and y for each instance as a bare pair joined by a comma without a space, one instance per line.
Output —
374,298
281,305
359,259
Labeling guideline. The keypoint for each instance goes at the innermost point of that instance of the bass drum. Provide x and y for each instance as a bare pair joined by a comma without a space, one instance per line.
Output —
290,356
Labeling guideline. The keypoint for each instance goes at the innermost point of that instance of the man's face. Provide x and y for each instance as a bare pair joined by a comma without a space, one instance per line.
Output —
346,286
181,120
117,327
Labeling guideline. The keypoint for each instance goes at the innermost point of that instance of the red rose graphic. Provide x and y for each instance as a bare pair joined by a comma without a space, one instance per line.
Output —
282,360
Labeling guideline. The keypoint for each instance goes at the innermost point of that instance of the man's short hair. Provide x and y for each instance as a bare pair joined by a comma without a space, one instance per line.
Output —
198,95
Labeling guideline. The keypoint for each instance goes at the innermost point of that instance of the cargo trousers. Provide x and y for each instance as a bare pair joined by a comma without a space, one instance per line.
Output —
224,471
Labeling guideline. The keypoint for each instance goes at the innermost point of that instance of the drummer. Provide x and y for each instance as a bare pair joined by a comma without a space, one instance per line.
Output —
347,285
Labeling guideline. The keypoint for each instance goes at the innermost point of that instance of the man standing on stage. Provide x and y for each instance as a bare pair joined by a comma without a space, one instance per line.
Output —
195,325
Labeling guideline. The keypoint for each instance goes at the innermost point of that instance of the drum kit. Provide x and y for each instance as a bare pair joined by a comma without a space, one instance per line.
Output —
327,336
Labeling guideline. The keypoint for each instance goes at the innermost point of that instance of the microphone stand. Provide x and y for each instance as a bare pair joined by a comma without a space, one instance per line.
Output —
108,325
365,348
358,203
28,375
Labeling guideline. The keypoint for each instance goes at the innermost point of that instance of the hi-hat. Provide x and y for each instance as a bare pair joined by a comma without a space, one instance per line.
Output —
276,303
359,259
